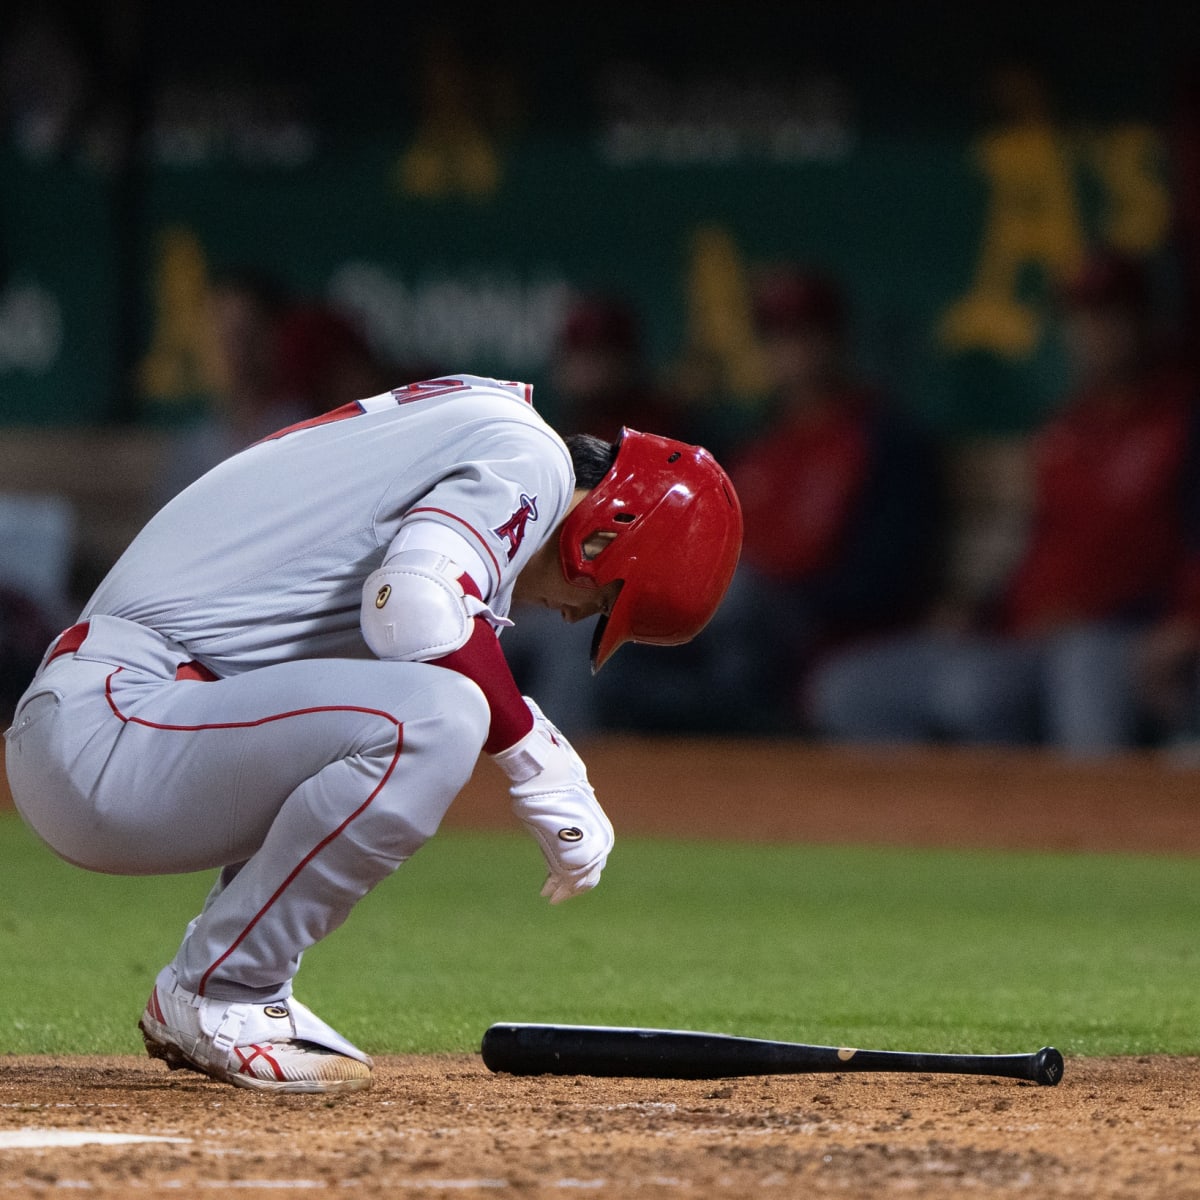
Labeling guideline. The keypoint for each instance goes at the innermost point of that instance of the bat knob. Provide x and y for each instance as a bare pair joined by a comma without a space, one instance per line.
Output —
1048,1066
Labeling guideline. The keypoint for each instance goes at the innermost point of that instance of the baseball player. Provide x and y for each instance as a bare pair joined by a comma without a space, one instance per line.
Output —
292,670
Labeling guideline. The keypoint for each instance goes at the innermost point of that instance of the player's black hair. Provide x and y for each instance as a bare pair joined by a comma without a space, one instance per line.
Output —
592,458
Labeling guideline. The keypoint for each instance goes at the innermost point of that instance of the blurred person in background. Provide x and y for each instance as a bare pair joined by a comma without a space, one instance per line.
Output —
244,310
39,563
323,361
600,382
601,378
25,624
277,362
1184,149
1092,645
841,501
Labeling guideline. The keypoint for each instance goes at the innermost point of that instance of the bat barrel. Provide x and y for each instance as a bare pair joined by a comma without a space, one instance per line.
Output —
629,1053
682,1054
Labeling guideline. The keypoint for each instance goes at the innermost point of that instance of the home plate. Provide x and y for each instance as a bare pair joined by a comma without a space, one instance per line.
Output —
38,1139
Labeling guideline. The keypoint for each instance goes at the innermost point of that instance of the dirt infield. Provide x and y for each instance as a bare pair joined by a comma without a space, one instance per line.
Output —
1113,1128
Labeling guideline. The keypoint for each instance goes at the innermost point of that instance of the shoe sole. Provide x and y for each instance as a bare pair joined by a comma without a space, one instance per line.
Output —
157,1046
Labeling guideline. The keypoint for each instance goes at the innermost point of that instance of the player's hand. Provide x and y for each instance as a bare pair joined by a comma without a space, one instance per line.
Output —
553,799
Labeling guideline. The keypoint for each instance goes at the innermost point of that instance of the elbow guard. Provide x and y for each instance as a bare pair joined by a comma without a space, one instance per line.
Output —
414,609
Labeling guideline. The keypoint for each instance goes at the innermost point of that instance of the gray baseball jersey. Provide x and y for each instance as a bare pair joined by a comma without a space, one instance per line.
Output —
263,559
307,769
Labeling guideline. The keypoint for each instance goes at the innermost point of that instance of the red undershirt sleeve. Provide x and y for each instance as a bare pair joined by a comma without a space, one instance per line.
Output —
482,661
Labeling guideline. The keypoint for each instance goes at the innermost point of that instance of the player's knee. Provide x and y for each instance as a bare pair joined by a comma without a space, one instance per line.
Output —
440,747
468,715
454,725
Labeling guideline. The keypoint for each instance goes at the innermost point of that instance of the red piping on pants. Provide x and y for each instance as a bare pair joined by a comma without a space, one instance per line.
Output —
299,712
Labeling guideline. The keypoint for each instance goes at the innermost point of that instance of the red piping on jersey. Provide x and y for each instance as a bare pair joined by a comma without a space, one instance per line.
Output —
475,532
299,712
353,409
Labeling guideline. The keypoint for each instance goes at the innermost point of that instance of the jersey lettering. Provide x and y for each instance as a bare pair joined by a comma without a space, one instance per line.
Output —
513,530
427,389
402,395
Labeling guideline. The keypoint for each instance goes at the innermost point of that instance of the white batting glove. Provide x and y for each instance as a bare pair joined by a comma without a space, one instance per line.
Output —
552,798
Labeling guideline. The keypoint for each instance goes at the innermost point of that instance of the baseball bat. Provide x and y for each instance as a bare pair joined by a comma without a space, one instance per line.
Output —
683,1054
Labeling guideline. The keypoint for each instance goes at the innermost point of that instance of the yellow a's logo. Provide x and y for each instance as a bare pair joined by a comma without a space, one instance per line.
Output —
453,152
721,333
183,360
1034,220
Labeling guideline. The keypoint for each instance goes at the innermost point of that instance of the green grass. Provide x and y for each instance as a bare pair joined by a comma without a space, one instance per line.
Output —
898,949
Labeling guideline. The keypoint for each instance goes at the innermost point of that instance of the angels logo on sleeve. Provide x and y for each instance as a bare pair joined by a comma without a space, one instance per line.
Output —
513,530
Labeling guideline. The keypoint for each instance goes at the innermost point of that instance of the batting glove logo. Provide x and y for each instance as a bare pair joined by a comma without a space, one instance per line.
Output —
570,834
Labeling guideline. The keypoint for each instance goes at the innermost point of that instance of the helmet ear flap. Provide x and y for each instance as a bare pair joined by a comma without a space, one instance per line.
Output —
597,639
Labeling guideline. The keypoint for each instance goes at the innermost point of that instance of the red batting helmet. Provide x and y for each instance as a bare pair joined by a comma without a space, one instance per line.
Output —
673,529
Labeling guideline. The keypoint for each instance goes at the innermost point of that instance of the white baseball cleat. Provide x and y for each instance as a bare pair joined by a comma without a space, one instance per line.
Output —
279,1047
